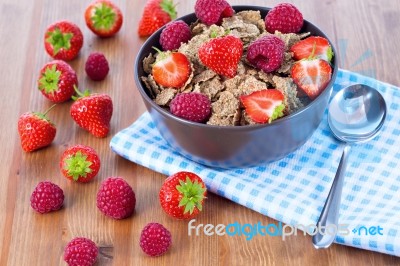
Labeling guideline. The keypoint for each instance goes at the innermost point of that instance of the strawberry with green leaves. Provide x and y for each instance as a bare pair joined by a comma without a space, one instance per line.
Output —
171,69
222,55
316,45
92,112
36,130
103,18
311,75
182,195
156,14
264,106
80,163
57,80
63,40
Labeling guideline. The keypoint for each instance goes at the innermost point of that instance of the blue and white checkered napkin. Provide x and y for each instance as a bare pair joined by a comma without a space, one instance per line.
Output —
293,190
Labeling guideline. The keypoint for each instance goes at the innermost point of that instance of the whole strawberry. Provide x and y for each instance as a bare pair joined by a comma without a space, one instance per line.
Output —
63,40
92,112
47,197
36,130
103,18
175,33
182,195
156,14
192,106
80,163
81,251
116,198
57,80
155,239
285,18
212,11
222,55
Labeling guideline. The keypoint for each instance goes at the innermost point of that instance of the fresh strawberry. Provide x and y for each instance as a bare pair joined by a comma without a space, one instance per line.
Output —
312,46
103,18
156,14
222,55
36,130
182,195
92,112
57,80
171,69
80,163
63,40
264,106
311,76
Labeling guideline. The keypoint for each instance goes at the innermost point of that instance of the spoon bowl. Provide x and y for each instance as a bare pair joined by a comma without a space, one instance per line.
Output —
355,115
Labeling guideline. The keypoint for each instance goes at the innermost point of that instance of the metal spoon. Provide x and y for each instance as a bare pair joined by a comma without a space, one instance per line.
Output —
356,114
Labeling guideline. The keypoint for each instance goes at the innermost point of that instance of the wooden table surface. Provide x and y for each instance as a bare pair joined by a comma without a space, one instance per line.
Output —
366,34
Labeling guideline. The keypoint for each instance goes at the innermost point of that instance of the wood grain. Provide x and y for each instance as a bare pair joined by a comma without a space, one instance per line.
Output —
366,34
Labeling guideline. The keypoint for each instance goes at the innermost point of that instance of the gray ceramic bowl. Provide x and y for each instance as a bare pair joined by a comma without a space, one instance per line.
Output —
241,146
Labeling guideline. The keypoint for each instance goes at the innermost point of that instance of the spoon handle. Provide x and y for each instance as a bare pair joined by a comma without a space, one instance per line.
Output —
327,225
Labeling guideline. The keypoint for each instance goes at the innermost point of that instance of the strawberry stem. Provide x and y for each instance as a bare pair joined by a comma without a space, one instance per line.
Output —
49,109
192,195
169,7
80,94
77,166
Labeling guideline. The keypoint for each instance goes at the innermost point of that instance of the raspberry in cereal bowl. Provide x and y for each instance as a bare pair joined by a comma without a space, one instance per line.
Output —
248,89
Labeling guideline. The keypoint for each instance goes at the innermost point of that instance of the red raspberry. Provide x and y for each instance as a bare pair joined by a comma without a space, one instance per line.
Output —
192,106
155,239
174,34
96,66
116,198
81,251
47,197
266,53
212,11
285,18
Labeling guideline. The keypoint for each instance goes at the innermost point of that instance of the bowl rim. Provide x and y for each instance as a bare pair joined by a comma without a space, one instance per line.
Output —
277,122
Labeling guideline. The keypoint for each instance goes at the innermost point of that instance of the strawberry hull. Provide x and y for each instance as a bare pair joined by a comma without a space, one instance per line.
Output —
235,146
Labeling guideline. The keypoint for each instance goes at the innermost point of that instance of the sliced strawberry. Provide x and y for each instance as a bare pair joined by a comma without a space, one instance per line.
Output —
312,46
311,76
264,106
172,69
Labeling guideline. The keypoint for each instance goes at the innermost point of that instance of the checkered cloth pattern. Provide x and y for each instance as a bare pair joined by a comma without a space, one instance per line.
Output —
293,190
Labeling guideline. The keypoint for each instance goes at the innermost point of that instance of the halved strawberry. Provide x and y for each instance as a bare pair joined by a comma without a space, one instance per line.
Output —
311,76
264,106
172,69
312,46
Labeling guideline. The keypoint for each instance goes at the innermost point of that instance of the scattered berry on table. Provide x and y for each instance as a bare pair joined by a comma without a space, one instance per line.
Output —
96,66
63,40
182,195
285,18
47,197
212,11
57,80
103,18
155,239
222,55
191,106
80,163
156,14
92,112
81,251
116,198
175,33
266,53
36,130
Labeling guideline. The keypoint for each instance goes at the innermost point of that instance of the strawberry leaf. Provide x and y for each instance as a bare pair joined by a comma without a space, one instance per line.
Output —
192,195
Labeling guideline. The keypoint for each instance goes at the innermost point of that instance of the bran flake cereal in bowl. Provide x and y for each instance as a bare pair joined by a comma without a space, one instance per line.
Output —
264,92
